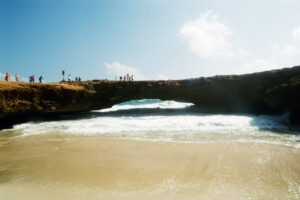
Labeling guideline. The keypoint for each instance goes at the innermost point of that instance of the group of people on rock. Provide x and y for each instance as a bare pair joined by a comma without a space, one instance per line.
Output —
127,77
31,79
8,76
77,79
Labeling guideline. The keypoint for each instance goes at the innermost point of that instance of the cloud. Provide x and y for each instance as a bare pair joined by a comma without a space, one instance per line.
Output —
289,50
259,65
284,55
118,69
207,37
2,76
23,79
296,33
162,77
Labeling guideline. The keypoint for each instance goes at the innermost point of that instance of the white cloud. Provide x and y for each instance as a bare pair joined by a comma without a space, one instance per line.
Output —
259,65
162,77
118,69
284,55
23,79
296,33
207,37
289,50
2,76
242,52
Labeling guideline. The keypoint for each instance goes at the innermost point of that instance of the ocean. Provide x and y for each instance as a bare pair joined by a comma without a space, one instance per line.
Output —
151,149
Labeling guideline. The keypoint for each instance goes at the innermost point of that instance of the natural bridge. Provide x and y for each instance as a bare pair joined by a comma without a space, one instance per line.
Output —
270,92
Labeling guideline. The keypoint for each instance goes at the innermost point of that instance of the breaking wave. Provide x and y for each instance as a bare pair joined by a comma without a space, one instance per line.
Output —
147,104
112,123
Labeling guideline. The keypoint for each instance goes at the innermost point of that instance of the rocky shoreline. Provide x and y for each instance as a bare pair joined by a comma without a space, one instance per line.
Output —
270,92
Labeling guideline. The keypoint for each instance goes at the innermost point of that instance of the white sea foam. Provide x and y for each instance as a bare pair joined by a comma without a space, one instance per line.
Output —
171,127
146,104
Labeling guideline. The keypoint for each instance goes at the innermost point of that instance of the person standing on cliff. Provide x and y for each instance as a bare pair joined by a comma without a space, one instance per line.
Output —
41,79
8,76
31,79
69,78
17,77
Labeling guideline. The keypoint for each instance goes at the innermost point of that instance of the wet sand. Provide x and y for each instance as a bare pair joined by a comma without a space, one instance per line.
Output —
68,167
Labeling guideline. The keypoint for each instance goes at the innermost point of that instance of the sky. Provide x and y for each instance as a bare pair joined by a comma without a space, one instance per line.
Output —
153,39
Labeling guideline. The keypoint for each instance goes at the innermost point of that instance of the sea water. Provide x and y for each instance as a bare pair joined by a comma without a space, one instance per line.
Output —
145,149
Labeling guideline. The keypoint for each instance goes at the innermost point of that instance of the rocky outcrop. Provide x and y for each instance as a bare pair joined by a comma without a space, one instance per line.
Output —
271,92
23,101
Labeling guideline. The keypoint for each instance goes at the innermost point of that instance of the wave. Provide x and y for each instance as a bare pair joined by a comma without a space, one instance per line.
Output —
173,128
146,104
157,120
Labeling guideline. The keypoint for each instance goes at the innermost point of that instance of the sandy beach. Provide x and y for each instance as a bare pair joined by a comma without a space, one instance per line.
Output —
69,167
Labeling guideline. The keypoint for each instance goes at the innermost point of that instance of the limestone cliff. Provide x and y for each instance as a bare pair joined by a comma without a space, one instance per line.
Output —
271,92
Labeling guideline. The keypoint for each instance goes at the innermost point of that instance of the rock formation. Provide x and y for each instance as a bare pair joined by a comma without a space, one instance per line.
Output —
270,92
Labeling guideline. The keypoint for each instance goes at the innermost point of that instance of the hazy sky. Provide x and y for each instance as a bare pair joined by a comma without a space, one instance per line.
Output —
153,39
